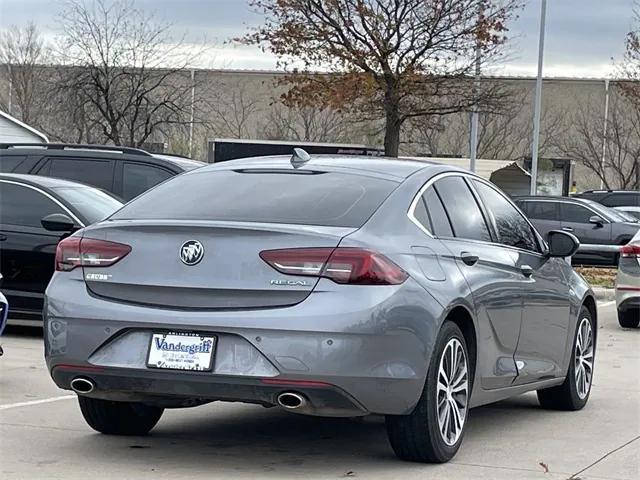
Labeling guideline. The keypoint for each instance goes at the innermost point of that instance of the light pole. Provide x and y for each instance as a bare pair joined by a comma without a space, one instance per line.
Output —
473,140
604,131
538,103
473,136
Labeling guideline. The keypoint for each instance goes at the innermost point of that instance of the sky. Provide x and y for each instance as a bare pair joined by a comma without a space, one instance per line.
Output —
583,37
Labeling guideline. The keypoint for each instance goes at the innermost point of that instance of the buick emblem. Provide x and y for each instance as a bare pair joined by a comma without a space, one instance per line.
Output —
191,252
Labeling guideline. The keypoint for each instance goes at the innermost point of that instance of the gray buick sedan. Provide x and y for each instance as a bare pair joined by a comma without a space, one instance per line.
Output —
331,286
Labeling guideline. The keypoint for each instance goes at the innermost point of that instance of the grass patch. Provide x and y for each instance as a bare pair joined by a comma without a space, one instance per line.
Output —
599,276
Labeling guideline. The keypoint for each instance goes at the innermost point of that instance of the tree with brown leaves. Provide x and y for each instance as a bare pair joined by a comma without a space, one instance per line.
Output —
387,59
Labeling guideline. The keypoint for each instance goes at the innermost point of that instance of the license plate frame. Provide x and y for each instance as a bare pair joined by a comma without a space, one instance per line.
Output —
177,355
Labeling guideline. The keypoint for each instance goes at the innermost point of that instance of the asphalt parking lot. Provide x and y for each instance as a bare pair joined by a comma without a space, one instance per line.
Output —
42,434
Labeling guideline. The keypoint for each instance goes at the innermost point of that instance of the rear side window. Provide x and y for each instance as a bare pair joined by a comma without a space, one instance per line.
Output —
575,213
622,199
98,173
322,198
462,209
421,214
138,178
542,210
8,163
437,214
24,206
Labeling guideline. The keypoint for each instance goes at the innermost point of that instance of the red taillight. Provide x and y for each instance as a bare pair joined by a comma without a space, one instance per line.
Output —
342,265
630,251
74,252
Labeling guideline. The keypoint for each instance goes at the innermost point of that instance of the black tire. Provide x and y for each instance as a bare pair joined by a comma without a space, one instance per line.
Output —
566,396
629,318
416,437
119,418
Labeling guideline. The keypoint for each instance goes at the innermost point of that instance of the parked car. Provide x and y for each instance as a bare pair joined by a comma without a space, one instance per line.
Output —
591,222
331,286
631,211
125,172
628,284
612,198
35,213
4,312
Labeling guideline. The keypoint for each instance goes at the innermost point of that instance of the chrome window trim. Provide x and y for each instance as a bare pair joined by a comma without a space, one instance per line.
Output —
418,196
50,197
432,180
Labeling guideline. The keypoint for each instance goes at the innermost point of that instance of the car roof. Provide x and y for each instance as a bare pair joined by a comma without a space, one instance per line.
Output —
183,162
556,198
390,167
99,151
579,201
40,181
609,191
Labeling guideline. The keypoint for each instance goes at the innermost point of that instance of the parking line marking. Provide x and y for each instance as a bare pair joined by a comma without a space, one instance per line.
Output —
606,304
36,402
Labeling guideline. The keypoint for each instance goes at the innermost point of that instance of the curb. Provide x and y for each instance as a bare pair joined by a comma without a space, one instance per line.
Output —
604,294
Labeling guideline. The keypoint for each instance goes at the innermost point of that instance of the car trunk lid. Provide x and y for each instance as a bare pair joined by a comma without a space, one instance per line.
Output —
167,268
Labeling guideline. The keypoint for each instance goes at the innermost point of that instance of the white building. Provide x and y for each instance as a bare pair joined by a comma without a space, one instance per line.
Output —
13,130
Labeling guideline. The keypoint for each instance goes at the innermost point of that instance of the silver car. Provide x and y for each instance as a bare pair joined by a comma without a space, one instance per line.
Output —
628,284
331,286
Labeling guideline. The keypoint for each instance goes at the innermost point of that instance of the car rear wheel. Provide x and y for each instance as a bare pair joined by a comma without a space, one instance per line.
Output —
119,418
434,430
573,394
629,318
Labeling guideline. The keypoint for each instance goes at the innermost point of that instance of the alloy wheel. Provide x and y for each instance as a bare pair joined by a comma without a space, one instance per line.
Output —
584,358
452,391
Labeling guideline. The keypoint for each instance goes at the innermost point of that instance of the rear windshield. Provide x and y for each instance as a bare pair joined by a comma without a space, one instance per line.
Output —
325,198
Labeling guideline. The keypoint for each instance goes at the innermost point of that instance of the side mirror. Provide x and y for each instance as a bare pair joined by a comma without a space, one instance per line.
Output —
596,220
562,244
59,222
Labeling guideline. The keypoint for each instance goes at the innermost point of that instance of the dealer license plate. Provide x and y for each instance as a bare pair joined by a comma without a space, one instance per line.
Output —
181,351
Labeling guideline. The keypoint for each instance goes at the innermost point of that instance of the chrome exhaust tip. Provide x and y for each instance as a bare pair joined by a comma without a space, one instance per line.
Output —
291,400
82,385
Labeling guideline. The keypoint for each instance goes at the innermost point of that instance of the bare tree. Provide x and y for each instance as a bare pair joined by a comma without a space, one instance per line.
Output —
584,144
629,67
307,124
504,135
233,109
629,71
23,53
128,70
387,59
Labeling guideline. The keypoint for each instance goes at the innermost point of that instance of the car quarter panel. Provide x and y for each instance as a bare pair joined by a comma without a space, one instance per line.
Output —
496,304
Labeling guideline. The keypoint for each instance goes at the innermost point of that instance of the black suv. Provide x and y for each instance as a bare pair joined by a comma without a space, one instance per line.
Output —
612,198
125,172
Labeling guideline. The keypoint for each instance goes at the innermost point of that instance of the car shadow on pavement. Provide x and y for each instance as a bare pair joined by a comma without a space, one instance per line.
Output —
258,440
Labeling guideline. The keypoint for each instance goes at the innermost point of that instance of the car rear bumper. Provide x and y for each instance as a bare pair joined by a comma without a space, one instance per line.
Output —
629,303
159,388
346,361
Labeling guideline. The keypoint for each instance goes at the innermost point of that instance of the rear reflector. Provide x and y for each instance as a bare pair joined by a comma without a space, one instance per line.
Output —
630,251
346,265
75,252
295,383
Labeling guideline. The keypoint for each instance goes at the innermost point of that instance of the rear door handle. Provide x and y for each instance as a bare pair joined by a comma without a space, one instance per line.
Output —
3,237
526,270
567,229
469,258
